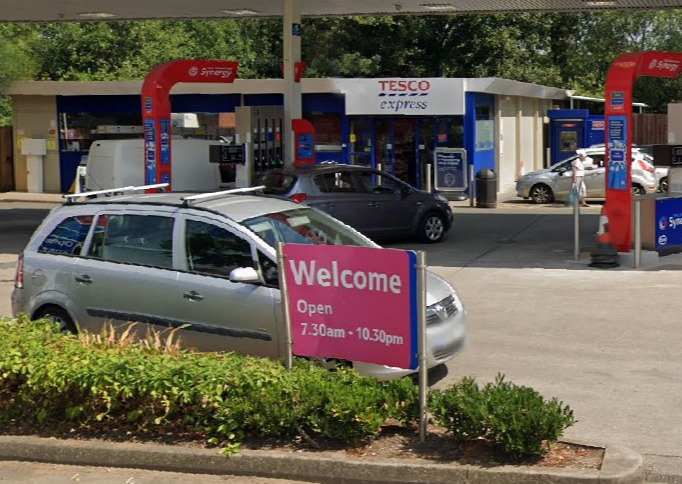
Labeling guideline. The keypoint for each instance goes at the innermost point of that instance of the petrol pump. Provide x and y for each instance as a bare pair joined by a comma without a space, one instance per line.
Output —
259,129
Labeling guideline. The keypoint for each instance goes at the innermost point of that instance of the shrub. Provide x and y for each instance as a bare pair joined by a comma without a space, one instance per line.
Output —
113,380
514,419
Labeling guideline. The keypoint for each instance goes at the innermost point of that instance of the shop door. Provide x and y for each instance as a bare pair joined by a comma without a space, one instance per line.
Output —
405,151
383,145
360,138
395,147
426,144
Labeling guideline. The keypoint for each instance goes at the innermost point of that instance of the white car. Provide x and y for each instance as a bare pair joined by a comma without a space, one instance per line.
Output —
554,183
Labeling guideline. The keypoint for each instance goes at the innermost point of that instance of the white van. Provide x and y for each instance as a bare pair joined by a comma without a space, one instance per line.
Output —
120,163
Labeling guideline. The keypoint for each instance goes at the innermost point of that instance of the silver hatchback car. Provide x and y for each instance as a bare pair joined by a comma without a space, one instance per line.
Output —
554,183
205,264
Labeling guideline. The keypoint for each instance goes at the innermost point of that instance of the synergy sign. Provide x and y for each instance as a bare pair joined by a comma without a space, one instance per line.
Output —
404,96
669,223
353,303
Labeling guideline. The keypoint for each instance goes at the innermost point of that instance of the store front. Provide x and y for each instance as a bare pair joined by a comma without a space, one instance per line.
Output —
394,124
402,146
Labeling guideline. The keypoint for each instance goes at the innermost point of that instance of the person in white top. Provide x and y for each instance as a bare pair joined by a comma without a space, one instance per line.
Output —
580,164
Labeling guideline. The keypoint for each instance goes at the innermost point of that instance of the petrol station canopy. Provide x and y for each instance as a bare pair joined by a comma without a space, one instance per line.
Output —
52,10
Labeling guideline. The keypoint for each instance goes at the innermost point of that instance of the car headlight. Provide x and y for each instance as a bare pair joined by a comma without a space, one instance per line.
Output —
441,198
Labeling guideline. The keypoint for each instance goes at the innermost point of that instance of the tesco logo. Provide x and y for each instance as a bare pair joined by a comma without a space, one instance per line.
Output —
403,86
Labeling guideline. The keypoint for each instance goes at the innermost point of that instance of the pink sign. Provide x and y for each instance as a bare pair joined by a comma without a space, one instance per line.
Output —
353,303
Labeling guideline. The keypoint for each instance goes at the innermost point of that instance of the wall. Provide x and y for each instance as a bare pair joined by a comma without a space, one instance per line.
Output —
33,116
507,140
521,127
675,123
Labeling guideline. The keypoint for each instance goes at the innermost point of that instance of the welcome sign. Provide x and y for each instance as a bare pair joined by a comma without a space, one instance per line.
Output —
353,303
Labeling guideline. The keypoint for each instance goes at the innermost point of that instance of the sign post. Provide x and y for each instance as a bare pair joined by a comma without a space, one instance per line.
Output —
358,304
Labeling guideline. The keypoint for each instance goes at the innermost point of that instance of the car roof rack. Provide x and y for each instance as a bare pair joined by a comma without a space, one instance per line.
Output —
206,196
71,198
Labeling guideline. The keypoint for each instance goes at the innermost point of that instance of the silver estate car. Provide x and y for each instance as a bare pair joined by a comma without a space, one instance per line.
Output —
554,183
205,264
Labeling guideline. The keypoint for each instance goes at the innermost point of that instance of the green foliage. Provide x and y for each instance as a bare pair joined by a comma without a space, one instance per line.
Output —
571,50
114,380
515,419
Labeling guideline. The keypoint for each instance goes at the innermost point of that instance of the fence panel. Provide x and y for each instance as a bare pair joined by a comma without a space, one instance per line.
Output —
649,129
6,160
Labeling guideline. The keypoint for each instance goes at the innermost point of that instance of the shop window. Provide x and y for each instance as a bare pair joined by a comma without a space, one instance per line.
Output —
450,132
485,128
79,130
483,112
327,130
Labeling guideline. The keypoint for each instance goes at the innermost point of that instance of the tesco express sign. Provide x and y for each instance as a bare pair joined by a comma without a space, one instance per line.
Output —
435,96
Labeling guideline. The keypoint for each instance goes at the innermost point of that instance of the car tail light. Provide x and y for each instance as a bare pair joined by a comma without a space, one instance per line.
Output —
646,166
299,197
19,275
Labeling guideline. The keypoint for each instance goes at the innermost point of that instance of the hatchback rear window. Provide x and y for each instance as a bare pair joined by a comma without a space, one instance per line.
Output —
277,183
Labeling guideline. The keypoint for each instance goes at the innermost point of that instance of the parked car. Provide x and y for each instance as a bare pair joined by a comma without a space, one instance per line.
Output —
660,171
373,202
554,183
207,262
662,178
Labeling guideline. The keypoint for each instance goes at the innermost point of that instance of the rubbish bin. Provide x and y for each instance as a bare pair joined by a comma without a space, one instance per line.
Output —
486,188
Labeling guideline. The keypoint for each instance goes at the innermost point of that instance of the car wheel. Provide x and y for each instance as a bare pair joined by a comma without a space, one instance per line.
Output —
663,185
638,190
432,228
57,315
541,194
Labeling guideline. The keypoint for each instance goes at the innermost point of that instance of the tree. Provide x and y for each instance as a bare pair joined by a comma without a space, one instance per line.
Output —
17,64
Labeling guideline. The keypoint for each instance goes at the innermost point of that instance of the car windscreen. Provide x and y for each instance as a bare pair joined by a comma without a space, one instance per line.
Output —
303,226
276,183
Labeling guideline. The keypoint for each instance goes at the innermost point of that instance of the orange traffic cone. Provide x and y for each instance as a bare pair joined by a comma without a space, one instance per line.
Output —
605,255
522,169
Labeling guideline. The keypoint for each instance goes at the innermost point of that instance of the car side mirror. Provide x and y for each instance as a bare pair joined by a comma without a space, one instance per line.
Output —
245,275
405,191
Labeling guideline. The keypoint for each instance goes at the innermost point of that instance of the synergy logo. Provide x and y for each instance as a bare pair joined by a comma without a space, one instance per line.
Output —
408,93
193,71
663,223
670,65
220,72
675,221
